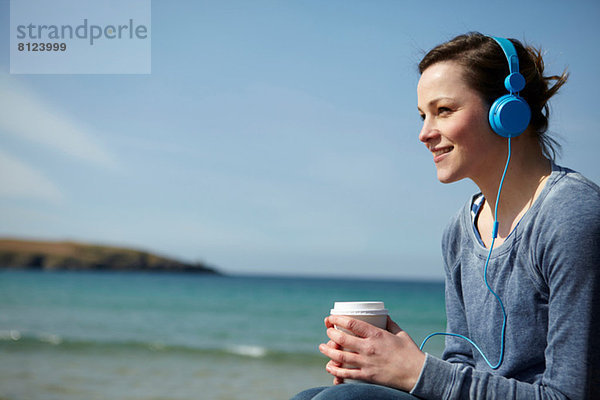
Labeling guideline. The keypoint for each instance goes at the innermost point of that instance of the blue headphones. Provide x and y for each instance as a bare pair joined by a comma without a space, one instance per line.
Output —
510,114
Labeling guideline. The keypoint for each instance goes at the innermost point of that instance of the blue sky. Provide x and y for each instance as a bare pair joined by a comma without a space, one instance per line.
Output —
271,136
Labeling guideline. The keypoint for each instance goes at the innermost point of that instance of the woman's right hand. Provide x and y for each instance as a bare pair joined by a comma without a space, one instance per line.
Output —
334,345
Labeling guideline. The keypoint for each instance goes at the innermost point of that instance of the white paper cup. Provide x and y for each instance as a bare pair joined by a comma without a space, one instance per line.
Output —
373,312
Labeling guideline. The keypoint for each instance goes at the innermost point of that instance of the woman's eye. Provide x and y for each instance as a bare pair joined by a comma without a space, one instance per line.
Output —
443,110
422,116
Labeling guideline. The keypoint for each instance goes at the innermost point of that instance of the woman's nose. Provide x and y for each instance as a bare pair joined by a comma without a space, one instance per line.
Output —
427,132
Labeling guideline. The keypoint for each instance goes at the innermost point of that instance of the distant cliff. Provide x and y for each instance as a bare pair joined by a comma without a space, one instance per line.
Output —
45,255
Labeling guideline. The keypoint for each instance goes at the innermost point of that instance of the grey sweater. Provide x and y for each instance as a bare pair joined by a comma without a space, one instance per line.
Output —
547,273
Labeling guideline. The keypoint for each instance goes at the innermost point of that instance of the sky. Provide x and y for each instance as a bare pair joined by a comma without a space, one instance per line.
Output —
271,137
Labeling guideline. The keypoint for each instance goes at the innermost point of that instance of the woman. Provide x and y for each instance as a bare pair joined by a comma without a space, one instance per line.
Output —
522,269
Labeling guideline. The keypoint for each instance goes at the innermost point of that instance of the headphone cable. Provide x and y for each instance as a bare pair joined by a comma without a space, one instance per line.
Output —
487,261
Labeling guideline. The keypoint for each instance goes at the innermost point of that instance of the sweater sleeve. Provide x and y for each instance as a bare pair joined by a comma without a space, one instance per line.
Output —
443,380
568,253
567,256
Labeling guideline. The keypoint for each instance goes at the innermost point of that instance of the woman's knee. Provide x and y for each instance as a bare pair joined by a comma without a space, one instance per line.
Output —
308,394
356,392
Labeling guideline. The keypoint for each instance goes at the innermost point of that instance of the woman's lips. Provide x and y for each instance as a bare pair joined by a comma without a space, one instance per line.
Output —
440,153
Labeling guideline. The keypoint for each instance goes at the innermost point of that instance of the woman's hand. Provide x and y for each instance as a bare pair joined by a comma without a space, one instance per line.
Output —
386,357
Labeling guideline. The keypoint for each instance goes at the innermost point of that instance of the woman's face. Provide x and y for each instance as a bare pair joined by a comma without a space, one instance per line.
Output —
455,124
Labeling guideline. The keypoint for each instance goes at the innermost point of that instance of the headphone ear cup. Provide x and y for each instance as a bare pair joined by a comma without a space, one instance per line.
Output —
509,115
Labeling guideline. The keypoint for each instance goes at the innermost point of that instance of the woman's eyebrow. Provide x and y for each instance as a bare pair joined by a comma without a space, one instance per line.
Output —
437,99
434,101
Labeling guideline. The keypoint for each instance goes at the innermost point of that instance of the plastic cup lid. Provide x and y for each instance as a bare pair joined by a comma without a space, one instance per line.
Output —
358,308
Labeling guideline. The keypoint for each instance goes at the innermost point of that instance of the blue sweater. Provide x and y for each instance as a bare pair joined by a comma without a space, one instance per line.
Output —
547,273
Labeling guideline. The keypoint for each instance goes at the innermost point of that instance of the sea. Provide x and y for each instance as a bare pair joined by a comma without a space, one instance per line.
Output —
162,336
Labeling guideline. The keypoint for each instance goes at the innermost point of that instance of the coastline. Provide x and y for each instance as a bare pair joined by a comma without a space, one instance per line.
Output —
75,256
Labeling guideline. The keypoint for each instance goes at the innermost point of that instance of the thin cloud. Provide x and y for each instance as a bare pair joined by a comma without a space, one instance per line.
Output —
27,116
19,180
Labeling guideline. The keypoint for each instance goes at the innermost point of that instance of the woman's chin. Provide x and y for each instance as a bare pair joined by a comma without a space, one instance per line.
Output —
446,176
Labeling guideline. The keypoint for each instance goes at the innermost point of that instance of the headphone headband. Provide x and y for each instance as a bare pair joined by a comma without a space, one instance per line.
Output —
510,52
514,82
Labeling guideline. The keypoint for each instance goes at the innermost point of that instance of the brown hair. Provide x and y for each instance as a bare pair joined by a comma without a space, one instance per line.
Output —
486,67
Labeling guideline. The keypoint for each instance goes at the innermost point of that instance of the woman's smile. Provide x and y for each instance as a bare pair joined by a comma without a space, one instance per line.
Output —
440,152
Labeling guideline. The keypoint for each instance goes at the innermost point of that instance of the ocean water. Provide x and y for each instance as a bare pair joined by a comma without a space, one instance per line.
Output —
104,335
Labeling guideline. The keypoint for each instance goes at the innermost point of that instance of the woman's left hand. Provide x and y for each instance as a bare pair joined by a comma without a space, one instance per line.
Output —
386,357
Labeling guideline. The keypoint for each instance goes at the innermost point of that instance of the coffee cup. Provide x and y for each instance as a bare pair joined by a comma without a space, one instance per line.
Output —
373,312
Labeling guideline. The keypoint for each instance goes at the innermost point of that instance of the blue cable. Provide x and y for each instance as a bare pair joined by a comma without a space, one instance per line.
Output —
487,261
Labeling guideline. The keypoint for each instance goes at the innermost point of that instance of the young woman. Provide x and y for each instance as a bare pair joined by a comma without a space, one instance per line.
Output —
522,263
